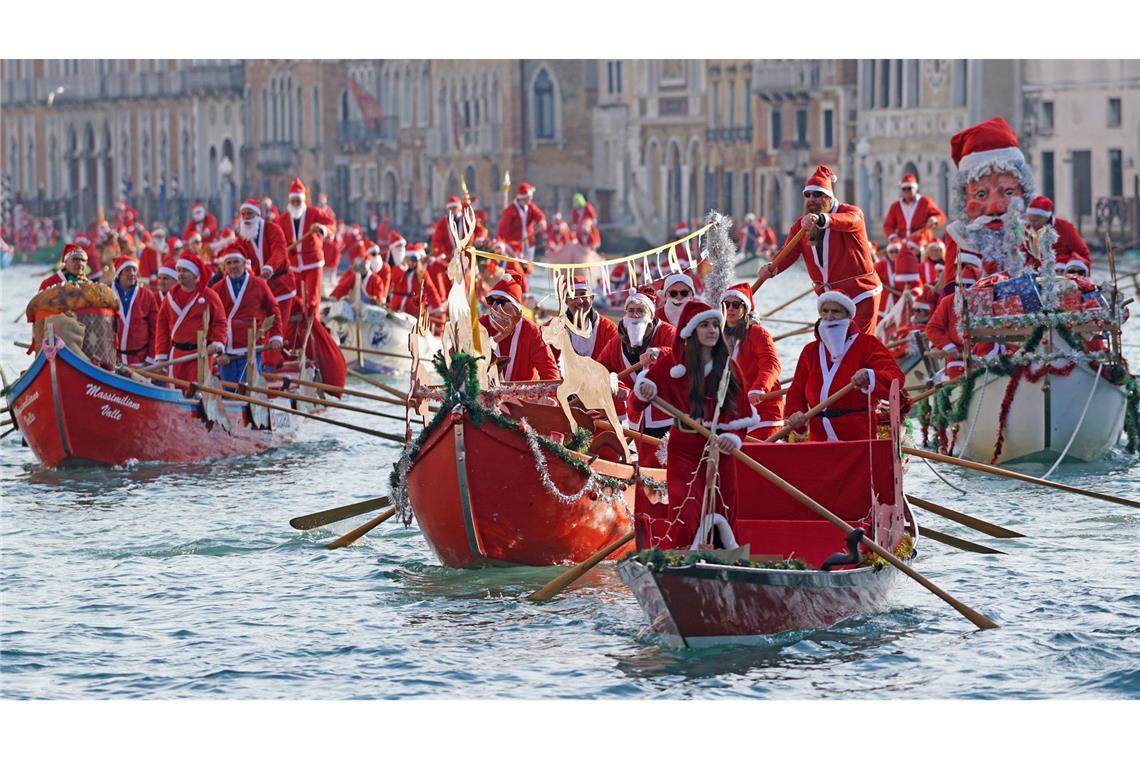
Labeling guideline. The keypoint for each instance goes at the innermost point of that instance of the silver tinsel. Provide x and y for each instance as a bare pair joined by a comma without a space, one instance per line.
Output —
399,495
1014,237
1046,239
543,469
722,257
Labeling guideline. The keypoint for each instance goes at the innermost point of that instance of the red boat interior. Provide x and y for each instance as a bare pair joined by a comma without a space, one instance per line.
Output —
838,475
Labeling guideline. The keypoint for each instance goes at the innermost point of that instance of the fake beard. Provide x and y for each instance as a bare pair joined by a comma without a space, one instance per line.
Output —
833,333
199,215
375,264
297,211
159,247
248,230
397,255
673,310
636,329
998,245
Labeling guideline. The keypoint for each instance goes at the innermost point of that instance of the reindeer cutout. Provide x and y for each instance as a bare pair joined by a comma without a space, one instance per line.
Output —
462,322
581,375
420,377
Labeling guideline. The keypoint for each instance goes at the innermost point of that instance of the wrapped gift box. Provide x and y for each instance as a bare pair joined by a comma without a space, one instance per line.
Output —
1071,302
980,301
1024,288
1008,306
1093,300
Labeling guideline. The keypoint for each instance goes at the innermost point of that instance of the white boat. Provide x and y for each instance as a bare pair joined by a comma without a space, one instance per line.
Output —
379,329
1079,416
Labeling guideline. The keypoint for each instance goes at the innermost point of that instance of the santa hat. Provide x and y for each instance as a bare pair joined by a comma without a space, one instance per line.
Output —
176,243
695,312
82,240
415,249
169,272
395,238
908,180
681,229
581,283
191,262
250,204
1041,206
70,250
355,230
989,143
644,296
906,264
678,277
509,288
834,296
500,245
373,249
935,245
1069,259
926,299
454,202
822,179
197,205
741,291
525,190
232,251
297,188
122,262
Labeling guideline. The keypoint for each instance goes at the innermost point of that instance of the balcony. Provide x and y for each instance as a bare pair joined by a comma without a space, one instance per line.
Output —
274,156
785,80
356,136
215,79
729,134
16,92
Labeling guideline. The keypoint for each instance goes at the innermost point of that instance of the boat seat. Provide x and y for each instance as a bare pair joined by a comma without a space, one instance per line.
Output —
812,541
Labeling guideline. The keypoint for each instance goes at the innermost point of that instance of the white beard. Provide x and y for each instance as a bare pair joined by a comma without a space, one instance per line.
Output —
833,333
397,255
297,211
199,216
375,264
673,311
635,329
249,230
161,248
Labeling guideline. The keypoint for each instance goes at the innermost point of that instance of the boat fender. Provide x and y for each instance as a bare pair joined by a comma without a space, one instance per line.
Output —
723,529
851,557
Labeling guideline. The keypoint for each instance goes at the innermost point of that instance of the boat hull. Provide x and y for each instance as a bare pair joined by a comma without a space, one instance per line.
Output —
480,501
380,330
72,413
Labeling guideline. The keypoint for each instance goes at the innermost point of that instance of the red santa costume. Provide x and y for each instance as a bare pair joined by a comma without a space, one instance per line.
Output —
1069,242
559,233
307,260
841,259
409,279
201,223
821,370
354,247
931,266
180,317
374,282
138,318
529,356
756,356
71,250
912,220
584,222
942,332
263,244
520,221
246,303
669,379
440,237
602,329
153,256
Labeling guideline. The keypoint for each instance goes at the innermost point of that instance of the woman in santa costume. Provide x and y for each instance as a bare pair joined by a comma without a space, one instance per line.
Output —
642,339
755,352
1040,216
187,308
912,217
248,302
931,265
138,315
307,260
836,249
690,380
518,342
841,354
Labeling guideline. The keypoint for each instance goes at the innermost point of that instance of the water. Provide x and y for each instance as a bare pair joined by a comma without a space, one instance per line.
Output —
175,582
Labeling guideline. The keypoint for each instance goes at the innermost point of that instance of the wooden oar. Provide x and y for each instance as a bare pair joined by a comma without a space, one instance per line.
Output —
978,619
1017,476
789,247
397,393
787,321
349,538
787,303
275,407
782,432
771,395
799,331
336,514
550,590
331,388
361,350
981,526
244,388
957,543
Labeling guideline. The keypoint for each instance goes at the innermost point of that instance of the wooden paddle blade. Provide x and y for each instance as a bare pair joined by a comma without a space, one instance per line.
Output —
957,543
336,514
349,538
552,589
981,526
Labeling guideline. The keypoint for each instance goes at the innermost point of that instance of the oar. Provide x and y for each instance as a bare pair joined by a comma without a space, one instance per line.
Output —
550,590
798,331
287,379
1017,476
978,619
981,526
361,350
397,393
782,432
789,247
787,321
336,514
957,543
772,394
787,303
244,388
275,407
349,538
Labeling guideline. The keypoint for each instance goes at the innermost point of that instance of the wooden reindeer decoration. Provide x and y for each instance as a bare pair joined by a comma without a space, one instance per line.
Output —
464,333
581,376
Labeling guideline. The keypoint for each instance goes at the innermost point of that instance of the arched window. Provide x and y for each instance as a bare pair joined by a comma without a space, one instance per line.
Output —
265,114
423,104
543,106
344,107
469,177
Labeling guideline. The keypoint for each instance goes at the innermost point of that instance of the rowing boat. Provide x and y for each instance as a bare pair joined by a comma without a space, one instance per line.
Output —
379,329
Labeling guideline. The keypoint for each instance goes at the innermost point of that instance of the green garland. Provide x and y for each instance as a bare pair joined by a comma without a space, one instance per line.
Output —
461,387
662,559
1132,414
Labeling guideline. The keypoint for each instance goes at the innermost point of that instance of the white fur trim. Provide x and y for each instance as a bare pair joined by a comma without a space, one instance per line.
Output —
506,295
826,220
221,346
744,423
824,190
171,273
1075,262
834,296
187,264
921,305
983,157
251,206
677,371
676,277
699,317
906,278
637,388
730,293
870,386
1038,212
129,263
233,255
643,299
731,437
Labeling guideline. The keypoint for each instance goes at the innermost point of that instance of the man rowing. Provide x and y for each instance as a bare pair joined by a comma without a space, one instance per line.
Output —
912,217
580,311
518,342
248,302
138,315
189,307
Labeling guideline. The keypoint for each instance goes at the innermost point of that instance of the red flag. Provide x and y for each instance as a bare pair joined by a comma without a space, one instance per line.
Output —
369,106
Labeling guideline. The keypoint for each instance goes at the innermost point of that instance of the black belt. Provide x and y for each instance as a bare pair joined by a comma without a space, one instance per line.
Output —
185,346
833,413
135,350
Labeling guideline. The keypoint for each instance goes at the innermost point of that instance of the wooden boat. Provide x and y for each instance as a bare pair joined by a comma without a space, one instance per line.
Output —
379,329
707,604
74,413
477,492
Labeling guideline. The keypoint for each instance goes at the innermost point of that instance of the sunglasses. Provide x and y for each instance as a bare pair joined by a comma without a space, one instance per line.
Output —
734,305
497,302
678,294
815,194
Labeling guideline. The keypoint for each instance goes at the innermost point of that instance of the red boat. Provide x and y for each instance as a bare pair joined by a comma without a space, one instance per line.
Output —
703,603
477,492
73,413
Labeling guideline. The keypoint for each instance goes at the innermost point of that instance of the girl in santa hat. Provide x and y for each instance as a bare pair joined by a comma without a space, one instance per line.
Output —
691,380
755,352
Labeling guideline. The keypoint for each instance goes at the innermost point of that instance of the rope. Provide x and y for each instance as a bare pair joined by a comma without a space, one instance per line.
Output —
943,479
1080,422
974,421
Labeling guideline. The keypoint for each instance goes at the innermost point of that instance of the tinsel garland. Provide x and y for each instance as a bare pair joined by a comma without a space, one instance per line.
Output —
1013,226
1051,319
1046,239
1003,415
1132,415
660,560
722,257
543,469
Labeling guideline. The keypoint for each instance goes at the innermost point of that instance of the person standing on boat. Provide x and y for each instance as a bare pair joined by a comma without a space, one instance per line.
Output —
263,244
201,223
754,352
518,343
836,249
138,315
307,260
441,244
690,380
1039,216
584,221
841,354
152,256
411,286
186,308
248,301
678,291
912,217
580,310
74,260
520,223
642,339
